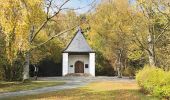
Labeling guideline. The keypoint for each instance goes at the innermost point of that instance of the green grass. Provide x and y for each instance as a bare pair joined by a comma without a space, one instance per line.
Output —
95,91
18,86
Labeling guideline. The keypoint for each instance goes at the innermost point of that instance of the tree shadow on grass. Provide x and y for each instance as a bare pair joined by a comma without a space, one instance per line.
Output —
7,84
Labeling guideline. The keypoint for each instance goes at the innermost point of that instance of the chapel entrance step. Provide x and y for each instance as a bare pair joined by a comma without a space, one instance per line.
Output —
78,74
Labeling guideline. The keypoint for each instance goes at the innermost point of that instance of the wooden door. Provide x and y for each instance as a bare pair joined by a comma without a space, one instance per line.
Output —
79,67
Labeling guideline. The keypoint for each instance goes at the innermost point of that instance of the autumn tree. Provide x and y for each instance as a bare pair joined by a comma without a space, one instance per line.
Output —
110,32
131,31
152,25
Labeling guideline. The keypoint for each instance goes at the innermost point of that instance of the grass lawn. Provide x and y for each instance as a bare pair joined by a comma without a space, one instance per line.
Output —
95,91
18,86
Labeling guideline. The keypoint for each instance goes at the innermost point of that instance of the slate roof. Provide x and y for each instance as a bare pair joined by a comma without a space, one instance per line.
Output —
78,44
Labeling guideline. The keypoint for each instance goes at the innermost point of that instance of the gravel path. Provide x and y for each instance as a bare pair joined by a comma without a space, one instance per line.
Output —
71,82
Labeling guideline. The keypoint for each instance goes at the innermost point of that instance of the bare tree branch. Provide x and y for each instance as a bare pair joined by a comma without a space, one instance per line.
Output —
48,7
143,11
51,38
90,4
45,22
60,8
140,43
163,31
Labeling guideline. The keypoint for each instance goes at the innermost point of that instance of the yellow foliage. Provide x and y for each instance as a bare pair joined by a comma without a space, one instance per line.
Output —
16,18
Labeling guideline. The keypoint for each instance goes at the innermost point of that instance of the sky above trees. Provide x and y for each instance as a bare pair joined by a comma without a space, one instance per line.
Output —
82,6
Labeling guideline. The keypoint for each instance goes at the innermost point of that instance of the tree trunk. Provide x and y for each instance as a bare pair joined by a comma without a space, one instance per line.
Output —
151,58
151,49
27,57
26,67
119,70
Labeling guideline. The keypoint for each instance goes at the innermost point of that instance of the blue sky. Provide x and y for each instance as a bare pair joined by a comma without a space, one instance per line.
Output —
84,4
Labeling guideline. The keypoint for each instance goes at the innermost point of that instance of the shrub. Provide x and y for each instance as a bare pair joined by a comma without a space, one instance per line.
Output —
11,72
154,81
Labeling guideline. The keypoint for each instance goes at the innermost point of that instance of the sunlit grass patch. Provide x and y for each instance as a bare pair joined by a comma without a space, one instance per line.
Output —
110,85
18,86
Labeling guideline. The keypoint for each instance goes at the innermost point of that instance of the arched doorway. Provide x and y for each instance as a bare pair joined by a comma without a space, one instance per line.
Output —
79,67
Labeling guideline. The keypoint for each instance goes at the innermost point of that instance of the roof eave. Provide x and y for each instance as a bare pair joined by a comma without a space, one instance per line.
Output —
78,52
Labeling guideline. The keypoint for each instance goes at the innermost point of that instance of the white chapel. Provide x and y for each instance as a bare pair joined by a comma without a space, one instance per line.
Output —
78,57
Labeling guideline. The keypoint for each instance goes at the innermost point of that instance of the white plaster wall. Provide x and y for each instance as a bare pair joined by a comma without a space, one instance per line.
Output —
92,64
65,64
74,58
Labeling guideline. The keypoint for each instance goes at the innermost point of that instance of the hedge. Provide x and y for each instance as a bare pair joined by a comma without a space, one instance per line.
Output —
155,81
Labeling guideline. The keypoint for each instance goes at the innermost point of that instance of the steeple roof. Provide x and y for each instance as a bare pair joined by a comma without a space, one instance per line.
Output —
78,43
